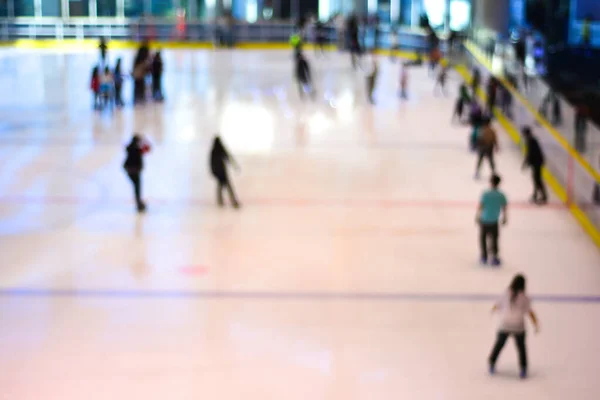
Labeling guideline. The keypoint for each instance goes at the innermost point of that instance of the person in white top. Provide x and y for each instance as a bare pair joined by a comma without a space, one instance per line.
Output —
514,306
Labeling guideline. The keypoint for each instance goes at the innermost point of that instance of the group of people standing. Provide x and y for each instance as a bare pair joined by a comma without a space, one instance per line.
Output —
147,65
107,84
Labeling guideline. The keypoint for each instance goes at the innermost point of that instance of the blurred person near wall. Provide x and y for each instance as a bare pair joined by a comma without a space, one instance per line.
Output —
581,125
534,159
157,73
586,32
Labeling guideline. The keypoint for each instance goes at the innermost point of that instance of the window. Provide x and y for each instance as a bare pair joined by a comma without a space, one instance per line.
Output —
24,8
3,8
134,8
163,8
436,12
106,8
51,8
460,15
79,8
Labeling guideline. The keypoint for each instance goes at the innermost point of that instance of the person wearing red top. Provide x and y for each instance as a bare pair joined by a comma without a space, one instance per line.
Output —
95,86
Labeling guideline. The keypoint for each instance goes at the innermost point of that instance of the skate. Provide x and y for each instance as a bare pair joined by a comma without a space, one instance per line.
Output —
523,374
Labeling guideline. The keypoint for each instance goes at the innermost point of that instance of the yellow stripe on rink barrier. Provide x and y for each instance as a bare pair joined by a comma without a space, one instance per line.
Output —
91,44
558,189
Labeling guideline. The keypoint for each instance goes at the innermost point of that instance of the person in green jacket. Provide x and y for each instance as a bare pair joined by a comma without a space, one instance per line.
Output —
463,98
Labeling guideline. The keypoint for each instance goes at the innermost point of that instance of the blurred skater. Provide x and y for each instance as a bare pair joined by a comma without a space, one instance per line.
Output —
157,72
320,37
372,70
476,81
440,84
118,77
394,43
219,157
582,113
493,203
506,101
435,56
463,98
596,192
107,87
134,164
492,93
475,112
355,49
95,87
404,81
487,144
340,30
141,66
296,42
535,159
303,76
476,125
103,47
514,306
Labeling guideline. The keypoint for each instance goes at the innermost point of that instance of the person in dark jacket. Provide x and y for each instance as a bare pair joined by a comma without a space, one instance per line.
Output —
320,37
103,49
354,42
134,164
303,75
535,159
492,93
476,81
140,70
118,77
218,166
157,71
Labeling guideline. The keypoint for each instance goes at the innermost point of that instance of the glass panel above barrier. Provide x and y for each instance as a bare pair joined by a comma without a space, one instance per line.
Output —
106,8
163,8
24,8
134,8
51,8
79,8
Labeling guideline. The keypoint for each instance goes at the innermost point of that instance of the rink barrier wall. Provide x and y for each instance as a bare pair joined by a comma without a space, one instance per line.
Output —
555,146
479,55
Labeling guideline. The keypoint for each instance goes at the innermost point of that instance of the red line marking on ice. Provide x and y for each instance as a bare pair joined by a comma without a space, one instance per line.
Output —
194,270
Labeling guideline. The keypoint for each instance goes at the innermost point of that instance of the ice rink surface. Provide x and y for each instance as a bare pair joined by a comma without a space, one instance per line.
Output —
350,272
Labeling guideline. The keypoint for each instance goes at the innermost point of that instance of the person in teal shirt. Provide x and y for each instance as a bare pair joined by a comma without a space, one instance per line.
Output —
493,204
